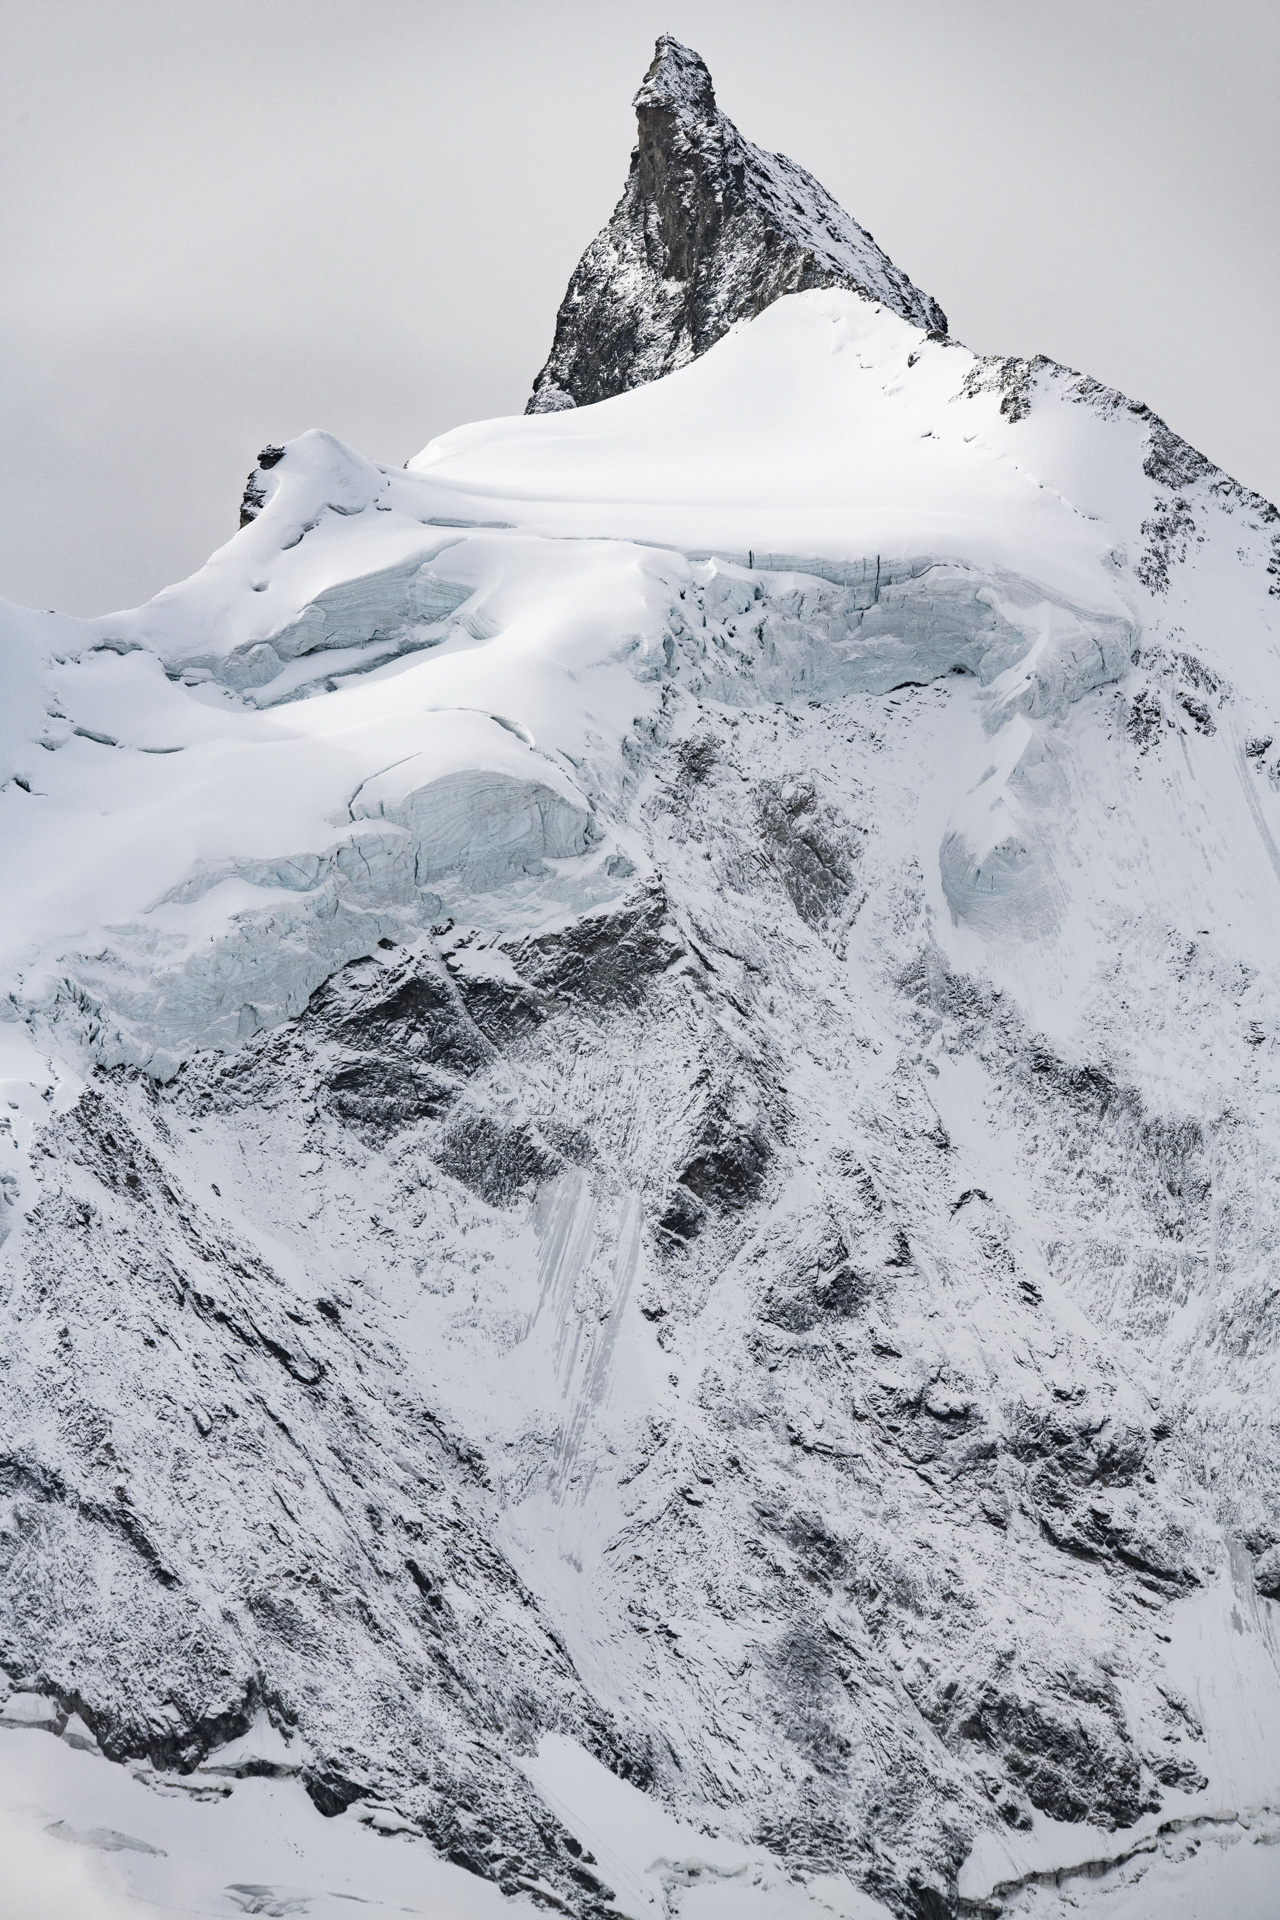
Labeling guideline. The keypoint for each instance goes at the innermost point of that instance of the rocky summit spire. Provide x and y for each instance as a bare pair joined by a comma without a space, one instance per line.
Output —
709,230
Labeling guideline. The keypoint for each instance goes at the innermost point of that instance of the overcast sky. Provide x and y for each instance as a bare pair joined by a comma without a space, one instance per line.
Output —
224,221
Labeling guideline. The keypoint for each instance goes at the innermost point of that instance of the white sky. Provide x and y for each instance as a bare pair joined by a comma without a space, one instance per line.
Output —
224,221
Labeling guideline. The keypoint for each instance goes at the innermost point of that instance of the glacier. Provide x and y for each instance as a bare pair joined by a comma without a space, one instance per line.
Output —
640,1085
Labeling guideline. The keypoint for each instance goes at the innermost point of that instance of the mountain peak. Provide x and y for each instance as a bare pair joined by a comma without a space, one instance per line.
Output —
678,81
710,230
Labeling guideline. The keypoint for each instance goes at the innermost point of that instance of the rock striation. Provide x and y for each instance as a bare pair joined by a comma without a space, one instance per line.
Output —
710,230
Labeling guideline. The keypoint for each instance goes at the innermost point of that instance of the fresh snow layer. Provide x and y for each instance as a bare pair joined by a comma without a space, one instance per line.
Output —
87,1840
805,432
84,1838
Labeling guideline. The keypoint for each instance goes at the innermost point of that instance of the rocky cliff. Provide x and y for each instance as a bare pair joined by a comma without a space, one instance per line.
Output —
710,230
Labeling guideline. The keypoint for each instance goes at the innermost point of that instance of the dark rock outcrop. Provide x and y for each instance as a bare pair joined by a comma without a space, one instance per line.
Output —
255,493
710,230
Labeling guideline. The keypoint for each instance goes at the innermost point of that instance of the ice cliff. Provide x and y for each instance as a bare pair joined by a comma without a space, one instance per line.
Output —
642,1078
709,231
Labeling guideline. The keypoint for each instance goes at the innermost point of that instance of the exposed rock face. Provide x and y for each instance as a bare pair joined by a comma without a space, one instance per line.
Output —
254,1308
709,231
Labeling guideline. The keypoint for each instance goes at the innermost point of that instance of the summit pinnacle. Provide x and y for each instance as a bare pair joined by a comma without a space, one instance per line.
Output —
709,230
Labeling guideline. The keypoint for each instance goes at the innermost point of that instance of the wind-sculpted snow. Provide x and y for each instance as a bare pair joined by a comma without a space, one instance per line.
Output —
644,1089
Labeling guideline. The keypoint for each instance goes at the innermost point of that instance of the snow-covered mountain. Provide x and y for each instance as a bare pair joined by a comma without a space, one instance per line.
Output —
709,231
643,1077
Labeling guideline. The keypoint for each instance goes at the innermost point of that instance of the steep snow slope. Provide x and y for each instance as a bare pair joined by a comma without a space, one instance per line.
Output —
643,1074
93,1841
709,231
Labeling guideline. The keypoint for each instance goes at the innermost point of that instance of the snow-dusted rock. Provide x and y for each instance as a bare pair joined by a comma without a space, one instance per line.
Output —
1266,1573
710,231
